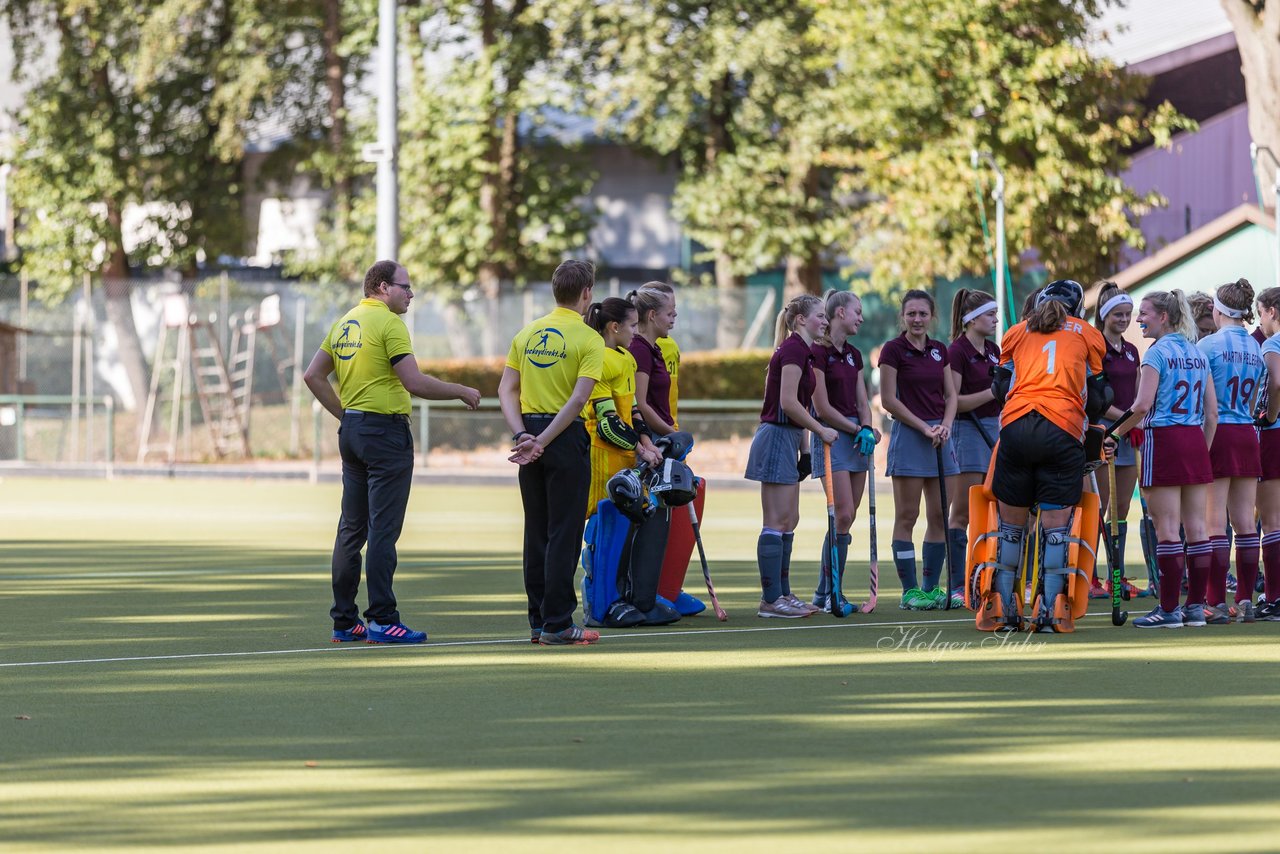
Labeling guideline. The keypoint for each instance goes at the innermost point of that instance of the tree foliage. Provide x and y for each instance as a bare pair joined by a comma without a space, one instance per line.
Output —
936,80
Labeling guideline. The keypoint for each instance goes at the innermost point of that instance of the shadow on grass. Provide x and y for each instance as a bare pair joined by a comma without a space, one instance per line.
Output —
779,736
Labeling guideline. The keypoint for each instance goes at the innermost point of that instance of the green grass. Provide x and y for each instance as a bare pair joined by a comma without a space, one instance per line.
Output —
743,736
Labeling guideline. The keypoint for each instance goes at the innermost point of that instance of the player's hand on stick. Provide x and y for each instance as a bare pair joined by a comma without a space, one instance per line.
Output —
866,441
649,454
944,433
828,436
1109,449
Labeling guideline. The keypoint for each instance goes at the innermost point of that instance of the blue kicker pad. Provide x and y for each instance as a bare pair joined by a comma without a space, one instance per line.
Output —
605,535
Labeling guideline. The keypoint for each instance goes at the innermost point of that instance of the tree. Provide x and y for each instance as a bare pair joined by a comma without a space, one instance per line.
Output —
719,86
489,194
927,82
148,109
1257,29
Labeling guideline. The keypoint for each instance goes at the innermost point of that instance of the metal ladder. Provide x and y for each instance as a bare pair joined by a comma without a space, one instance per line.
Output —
216,391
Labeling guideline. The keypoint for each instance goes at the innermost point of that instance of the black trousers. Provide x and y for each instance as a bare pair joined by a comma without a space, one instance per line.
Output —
554,489
377,471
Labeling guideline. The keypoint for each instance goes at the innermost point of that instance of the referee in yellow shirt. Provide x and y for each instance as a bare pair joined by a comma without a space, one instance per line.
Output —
552,367
371,352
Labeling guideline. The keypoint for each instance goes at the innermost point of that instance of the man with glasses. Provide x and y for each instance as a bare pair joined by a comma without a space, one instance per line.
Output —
371,352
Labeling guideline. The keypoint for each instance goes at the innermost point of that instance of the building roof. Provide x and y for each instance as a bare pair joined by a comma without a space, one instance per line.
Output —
1144,30
1251,256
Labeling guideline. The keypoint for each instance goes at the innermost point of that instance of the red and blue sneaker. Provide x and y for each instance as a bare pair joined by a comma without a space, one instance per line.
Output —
393,633
356,633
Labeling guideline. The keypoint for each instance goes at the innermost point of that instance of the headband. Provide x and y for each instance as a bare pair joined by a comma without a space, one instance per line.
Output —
1225,309
980,310
1114,303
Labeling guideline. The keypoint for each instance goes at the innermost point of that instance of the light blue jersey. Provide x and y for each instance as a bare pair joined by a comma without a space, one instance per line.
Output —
1184,373
1271,345
1235,362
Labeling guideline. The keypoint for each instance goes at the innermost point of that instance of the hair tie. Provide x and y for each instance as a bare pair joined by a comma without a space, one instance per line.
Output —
979,311
1226,309
1114,303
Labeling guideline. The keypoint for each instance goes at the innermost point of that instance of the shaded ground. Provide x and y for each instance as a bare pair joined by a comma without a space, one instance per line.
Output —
227,720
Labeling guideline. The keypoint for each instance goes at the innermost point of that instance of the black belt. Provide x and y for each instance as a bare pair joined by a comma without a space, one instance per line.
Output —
544,416
376,416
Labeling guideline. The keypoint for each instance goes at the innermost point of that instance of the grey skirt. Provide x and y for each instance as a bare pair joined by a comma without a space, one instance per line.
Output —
973,454
911,454
844,455
775,450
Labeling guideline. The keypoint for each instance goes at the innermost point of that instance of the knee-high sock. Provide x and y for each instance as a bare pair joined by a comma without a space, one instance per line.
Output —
904,560
1170,559
935,557
1216,593
788,540
1199,560
1271,565
1247,547
769,557
958,542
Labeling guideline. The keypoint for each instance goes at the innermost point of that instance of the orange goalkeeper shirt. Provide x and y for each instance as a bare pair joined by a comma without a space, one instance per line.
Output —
1049,372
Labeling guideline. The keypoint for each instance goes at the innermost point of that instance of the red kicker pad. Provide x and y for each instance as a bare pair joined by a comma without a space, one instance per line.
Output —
675,561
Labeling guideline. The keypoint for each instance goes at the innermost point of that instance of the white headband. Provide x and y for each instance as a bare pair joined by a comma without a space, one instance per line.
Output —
979,311
1227,310
1113,303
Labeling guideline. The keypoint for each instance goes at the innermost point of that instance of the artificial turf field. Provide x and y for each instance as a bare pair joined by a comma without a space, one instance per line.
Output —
166,681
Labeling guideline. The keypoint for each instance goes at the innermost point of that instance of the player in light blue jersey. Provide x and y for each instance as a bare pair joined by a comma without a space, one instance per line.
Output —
1269,487
1235,364
1179,414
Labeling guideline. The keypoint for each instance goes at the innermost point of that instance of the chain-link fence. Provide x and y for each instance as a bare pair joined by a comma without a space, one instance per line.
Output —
89,340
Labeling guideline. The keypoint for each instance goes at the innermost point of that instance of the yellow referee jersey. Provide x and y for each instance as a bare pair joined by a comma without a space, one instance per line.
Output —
552,354
671,355
362,345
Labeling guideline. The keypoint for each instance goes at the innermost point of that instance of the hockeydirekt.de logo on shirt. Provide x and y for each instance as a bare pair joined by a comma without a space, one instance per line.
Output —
546,347
348,343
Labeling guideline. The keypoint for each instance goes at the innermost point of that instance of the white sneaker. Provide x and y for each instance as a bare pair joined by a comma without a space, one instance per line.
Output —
781,608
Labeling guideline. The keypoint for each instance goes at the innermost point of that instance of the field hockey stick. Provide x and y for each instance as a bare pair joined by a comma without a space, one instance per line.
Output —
982,431
875,551
1033,586
1147,530
942,491
1118,617
833,553
702,557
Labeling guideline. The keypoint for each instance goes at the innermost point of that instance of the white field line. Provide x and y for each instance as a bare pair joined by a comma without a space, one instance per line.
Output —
605,638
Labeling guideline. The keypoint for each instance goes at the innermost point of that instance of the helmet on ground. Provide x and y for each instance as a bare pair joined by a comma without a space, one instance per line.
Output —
1066,291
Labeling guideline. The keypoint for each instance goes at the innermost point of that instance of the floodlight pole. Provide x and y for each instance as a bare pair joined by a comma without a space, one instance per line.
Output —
388,229
997,194
1254,151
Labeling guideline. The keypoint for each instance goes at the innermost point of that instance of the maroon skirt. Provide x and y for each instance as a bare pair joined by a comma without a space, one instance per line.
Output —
1235,451
1175,456
1270,454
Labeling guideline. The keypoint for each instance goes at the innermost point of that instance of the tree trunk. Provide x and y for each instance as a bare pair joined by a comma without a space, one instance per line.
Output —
335,68
457,328
731,305
118,293
803,276
491,338
1258,39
